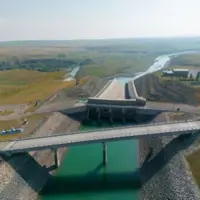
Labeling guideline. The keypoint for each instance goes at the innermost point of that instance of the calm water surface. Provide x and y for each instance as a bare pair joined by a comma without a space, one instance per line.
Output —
81,175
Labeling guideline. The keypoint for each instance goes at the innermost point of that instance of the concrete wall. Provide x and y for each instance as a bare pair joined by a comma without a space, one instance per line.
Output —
122,102
104,88
119,114
133,91
74,110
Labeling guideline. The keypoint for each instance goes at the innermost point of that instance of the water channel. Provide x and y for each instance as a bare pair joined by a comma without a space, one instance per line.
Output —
81,175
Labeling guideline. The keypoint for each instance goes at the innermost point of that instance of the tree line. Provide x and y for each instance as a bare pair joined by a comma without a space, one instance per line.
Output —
43,65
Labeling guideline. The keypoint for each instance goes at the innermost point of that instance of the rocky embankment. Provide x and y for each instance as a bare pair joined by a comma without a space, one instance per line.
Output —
22,176
164,171
90,88
154,89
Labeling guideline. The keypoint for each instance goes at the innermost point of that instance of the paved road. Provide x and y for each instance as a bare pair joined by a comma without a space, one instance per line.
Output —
173,107
120,133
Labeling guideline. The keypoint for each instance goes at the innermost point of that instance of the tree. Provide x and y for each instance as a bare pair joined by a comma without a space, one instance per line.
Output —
191,77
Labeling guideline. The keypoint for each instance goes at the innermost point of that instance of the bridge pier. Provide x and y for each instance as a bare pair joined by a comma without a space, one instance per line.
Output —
56,158
104,154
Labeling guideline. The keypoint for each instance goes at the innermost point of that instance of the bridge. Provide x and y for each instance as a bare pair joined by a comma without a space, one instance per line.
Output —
102,136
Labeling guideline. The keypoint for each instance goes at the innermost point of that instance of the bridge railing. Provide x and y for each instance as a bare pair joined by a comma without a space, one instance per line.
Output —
112,128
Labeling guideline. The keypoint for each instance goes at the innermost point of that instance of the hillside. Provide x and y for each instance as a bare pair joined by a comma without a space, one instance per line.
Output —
24,86
186,60
156,89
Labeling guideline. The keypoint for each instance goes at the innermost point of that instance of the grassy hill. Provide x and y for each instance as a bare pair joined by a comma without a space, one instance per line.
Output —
25,86
189,60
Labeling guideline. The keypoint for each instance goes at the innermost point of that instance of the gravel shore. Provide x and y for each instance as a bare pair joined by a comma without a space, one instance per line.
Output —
164,170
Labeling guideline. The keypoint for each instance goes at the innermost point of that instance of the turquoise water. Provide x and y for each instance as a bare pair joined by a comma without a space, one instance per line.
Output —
124,79
81,175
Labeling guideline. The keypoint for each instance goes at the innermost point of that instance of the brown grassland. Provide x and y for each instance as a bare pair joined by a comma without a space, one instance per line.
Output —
24,86
24,52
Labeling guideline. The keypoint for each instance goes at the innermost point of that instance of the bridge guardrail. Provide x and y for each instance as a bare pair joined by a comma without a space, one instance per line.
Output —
112,128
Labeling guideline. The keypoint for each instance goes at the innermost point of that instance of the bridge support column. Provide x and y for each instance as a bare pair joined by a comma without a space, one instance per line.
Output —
110,115
104,154
123,115
56,158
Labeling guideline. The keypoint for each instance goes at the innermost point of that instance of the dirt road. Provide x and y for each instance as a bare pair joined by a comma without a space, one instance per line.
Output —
17,111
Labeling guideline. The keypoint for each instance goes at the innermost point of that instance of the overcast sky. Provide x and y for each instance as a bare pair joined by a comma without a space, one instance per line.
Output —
96,19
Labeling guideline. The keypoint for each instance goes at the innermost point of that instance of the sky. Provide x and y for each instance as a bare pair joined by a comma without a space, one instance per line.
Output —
97,19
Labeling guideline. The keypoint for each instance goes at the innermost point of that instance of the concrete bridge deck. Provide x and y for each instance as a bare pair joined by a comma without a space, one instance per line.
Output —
112,134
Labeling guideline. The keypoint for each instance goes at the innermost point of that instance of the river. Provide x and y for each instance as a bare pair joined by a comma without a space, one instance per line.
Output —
81,175
72,74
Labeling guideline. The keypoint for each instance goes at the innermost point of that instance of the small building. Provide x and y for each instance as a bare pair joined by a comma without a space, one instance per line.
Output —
168,73
176,72
181,72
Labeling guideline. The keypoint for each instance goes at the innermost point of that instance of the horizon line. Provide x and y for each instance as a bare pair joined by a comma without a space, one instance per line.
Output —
94,39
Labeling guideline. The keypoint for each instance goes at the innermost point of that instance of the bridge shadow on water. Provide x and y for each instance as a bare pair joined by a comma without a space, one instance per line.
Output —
95,181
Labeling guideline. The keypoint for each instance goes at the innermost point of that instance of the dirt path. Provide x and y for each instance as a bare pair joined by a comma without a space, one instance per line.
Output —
17,109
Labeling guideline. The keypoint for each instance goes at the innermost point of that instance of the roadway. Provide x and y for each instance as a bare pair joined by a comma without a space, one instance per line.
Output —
172,107
105,135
